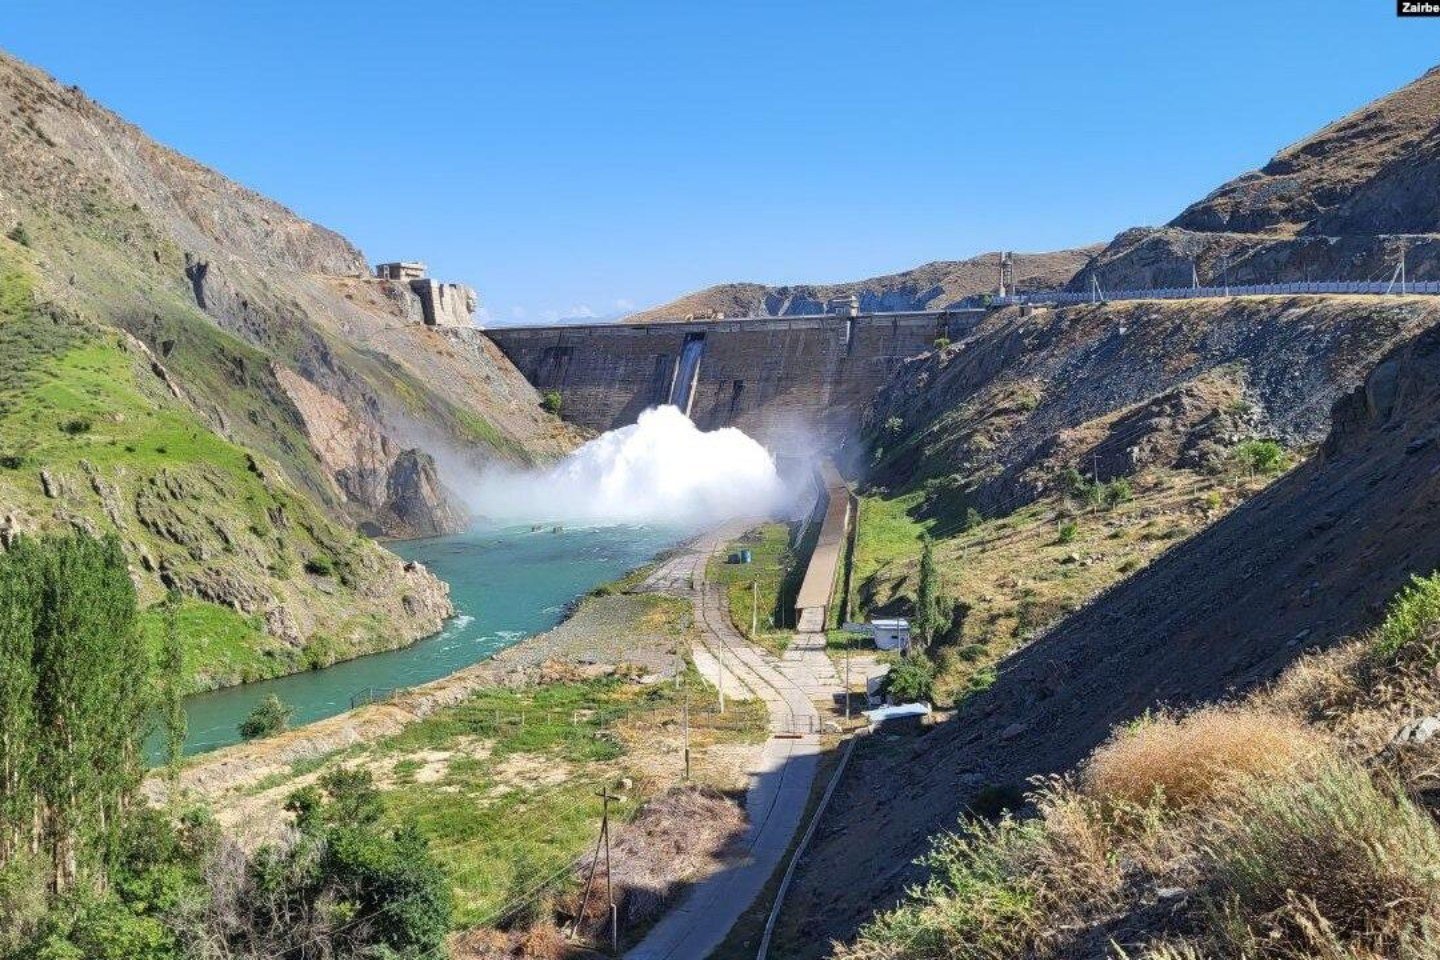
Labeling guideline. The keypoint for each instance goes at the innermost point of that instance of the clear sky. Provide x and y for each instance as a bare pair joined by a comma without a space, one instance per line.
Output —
570,158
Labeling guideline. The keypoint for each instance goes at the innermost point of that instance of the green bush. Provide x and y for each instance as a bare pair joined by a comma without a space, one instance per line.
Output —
1262,457
551,402
911,680
1118,491
19,234
941,343
270,716
1067,532
76,427
1411,618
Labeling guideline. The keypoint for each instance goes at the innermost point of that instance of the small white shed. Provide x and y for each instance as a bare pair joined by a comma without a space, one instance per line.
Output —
891,634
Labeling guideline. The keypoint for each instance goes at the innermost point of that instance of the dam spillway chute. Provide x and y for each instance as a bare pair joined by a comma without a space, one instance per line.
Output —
687,372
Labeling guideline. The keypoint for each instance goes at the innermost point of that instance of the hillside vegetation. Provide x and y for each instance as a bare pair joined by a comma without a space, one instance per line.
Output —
220,382
1297,823
95,436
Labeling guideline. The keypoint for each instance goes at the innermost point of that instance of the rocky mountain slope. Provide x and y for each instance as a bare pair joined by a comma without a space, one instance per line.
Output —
264,396
1033,400
992,420
933,286
1332,207
1304,564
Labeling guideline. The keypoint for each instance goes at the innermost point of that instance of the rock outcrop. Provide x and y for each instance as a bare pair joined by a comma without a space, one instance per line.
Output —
1335,206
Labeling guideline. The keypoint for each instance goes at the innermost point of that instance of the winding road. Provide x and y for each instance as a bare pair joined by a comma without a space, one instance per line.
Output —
780,786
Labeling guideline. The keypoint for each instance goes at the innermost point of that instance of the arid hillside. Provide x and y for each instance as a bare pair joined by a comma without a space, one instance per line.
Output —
1303,564
993,420
933,286
1338,205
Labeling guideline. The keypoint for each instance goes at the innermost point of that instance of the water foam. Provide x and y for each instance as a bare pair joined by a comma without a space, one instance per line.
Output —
660,470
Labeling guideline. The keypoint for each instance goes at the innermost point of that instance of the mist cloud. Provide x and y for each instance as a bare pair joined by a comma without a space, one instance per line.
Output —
660,470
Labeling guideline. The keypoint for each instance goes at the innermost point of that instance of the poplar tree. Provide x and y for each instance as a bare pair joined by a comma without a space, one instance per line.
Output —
172,670
74,695
927,595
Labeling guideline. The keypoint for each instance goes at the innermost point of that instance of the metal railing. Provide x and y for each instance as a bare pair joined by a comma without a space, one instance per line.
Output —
1355,287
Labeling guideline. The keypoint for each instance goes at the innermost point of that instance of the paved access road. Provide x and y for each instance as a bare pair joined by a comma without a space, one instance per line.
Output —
779,788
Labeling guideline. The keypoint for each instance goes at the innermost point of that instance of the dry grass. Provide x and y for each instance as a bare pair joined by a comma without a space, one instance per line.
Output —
1184,762
1326,864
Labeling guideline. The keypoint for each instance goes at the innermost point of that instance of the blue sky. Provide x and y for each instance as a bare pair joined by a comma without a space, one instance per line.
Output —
567,158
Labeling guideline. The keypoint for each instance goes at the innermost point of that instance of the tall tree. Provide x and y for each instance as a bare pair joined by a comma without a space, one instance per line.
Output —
67,609
171,680
927,595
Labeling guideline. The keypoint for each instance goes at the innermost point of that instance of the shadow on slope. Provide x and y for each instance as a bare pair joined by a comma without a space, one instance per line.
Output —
1304,564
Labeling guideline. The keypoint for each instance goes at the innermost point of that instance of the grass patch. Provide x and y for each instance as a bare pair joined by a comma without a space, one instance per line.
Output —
776,570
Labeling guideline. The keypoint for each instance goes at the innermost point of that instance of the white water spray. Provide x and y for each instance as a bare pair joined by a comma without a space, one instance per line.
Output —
660,470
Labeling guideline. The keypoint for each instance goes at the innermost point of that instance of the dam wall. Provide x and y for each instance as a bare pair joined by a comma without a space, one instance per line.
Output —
783,380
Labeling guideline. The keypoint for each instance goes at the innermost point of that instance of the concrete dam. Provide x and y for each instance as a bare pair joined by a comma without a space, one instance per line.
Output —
782,380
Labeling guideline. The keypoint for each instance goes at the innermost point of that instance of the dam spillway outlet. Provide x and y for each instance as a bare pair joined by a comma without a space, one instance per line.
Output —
687,372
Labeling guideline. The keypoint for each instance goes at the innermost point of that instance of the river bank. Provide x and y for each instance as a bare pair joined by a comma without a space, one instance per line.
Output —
506,584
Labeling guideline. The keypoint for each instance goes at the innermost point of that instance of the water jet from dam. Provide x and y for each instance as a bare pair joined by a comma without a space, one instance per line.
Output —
660,470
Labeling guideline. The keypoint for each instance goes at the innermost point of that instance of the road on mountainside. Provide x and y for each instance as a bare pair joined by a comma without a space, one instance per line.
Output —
779,789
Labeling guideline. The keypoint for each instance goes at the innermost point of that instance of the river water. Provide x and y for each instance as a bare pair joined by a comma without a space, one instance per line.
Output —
506,584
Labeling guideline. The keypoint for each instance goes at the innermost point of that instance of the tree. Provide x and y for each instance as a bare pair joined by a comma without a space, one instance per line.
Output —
928,615
171,688
270,716
551,402
75,692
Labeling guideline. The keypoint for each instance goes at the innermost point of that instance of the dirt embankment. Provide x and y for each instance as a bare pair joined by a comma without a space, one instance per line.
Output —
1304,564
606,635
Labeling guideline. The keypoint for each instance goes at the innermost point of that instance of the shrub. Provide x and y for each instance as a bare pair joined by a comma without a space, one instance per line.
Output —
76,427
19,234
941,343
893,425
1260,456
1411,618
1067,532
911,680
1183,762
551,402
270,716
320,565
1118,491
12,461
1331,865
973,519
1009,889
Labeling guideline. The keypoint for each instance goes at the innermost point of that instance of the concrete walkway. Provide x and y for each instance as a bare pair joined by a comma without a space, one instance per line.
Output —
779,786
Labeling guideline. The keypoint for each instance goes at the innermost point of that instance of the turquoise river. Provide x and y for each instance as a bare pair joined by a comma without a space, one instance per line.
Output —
506,584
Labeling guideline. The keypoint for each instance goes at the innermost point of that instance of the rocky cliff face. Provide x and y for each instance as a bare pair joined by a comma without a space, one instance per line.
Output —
304,385
933,286
1330,207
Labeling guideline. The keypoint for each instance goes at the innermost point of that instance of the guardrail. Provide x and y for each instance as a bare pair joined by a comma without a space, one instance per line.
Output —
1357,287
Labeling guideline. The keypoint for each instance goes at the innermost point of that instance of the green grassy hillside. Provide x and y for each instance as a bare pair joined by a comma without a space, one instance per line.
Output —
93,435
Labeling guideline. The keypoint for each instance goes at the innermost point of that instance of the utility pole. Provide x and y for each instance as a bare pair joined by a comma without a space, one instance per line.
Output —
722,672
1399,271
1225,271
849,642
602,842
754,609
685,725
1194,276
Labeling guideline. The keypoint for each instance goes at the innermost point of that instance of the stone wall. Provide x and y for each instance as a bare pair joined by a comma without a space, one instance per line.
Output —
785,381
